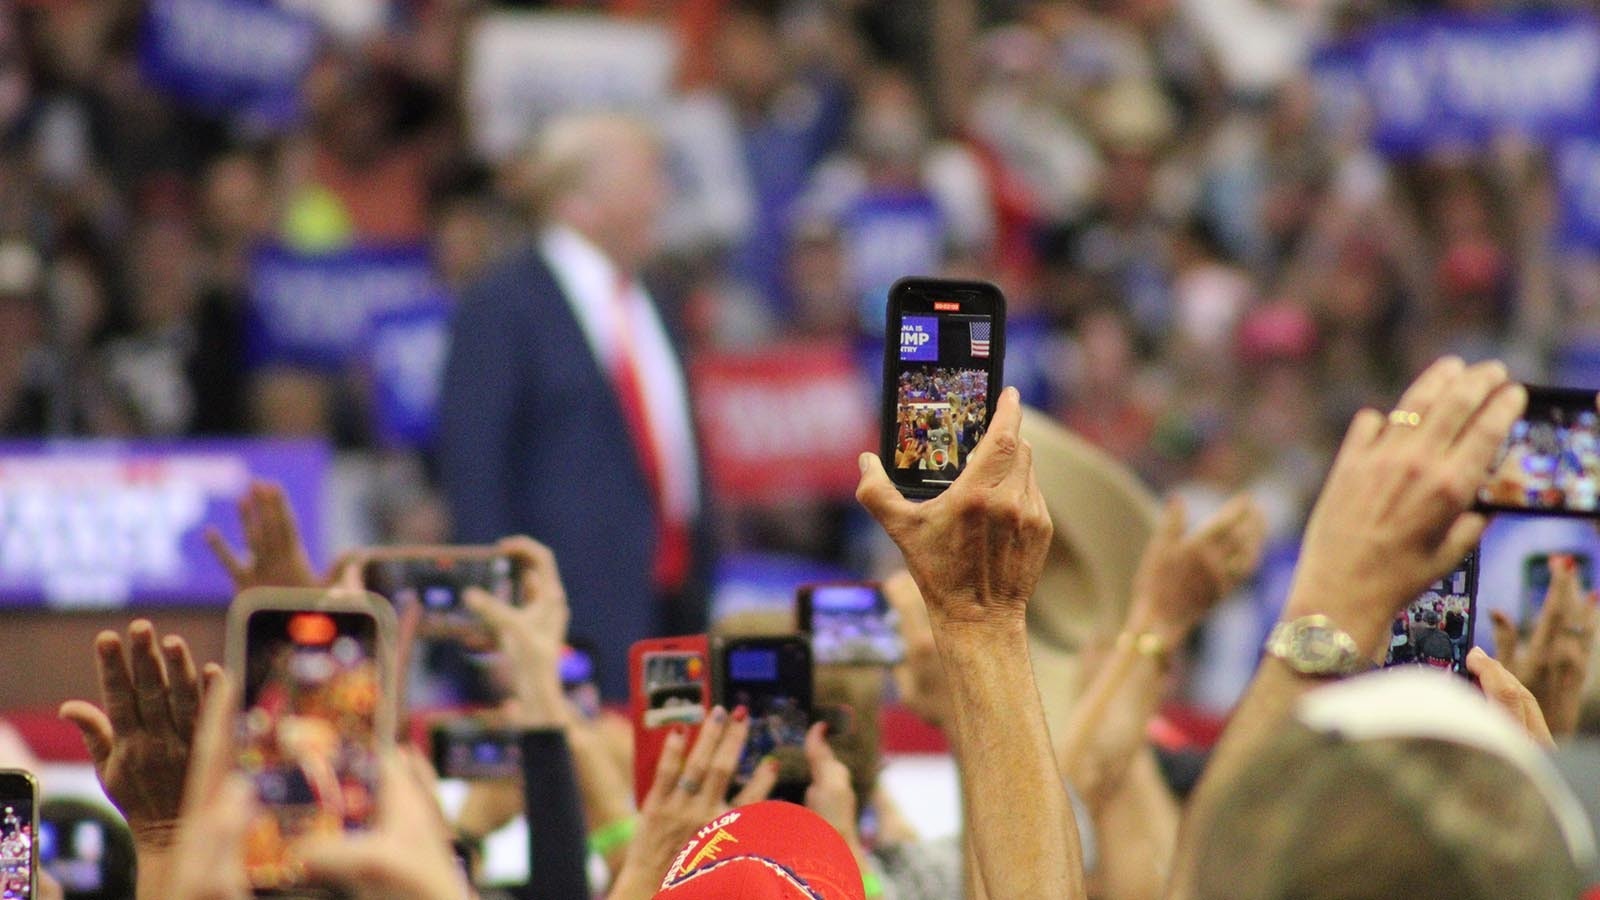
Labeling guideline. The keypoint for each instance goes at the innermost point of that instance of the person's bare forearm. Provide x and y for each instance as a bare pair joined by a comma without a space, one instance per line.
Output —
1269,699
1017,815
1107,727
1137,833
604,792
154,872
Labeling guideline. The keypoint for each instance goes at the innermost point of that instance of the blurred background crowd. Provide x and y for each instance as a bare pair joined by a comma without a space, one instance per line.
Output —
1210,258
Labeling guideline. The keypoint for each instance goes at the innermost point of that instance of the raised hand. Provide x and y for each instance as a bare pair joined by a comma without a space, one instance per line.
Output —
531,635
1554,663
1183,575
406,857
274,555
687,793
140,736
1394,514
977,549
831,795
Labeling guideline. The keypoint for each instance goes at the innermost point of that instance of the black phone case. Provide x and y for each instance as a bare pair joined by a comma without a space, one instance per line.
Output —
891,364
1542,398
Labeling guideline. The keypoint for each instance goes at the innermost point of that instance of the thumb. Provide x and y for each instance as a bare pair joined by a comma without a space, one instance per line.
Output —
92,724
1506,638
760,785
877,493
490,608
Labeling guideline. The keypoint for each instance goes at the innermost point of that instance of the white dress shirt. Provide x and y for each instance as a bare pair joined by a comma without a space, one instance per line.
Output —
590,283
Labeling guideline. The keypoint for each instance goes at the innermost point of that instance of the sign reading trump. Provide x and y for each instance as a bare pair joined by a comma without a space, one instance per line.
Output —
90,524
919,338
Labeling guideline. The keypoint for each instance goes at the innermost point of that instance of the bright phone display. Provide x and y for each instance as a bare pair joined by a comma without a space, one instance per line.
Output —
19,827
317,712
849,624
942,370
1436,628
1550,463
670,685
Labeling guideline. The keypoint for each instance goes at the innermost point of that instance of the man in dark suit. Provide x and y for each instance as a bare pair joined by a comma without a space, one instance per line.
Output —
565,412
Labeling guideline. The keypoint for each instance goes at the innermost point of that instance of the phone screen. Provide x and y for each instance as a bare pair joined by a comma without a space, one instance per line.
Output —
1436,628
17,839
942,371
74,853
1550,463
437,584
850,624
674,688
578,683
770,677
469,750
309,736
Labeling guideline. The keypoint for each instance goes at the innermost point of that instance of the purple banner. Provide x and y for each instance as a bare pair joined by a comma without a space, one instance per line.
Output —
919,339
97,525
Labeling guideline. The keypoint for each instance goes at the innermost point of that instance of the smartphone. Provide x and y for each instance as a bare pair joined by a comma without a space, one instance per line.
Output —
941,378
1436,629
318,705
436,578
1536,584
670,686
80,852
1550,463
474,750
849,624
19,825
772,678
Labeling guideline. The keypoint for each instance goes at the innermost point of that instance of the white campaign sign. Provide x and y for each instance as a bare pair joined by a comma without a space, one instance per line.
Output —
523,68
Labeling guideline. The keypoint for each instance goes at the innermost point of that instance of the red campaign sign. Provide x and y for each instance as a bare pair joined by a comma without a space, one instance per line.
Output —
784,422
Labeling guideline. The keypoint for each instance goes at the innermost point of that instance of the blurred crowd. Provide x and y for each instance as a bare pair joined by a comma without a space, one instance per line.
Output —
1207,270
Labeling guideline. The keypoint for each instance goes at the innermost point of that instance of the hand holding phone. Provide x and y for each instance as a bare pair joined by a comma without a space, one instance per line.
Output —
435,579
317,714
942,368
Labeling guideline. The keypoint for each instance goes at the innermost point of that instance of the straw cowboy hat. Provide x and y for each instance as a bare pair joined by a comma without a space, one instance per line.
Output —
1103,518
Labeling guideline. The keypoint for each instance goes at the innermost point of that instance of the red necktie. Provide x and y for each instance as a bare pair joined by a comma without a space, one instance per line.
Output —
670,568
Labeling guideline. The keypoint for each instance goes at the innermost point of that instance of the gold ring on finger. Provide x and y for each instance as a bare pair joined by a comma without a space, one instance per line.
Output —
1405,418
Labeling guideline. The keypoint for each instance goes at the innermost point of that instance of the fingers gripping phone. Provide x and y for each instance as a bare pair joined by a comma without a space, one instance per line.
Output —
669,686
318,707
849,624
1550,462
942,371
19,827
1436,629
772,678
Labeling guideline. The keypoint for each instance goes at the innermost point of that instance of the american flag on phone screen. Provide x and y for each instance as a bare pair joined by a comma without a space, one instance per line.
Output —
980,340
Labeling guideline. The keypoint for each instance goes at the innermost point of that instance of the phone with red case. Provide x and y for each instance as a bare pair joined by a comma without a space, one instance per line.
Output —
669,685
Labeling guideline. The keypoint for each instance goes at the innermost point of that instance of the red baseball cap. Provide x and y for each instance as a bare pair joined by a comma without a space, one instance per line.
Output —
765,851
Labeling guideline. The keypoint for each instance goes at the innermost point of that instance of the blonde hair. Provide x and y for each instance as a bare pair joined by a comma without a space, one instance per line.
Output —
562,157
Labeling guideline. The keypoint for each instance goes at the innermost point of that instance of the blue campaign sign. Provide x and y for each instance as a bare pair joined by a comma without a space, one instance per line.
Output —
1576,164
240,58
108,524
316,309
887,236
919,339
1456,80
405,362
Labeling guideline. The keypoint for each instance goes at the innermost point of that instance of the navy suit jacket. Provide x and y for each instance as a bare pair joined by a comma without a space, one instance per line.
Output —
533,441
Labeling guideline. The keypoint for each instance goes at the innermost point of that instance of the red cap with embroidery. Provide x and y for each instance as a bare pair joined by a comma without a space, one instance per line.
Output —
765,851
